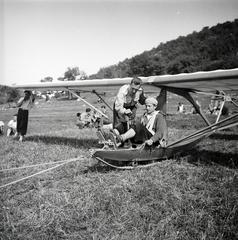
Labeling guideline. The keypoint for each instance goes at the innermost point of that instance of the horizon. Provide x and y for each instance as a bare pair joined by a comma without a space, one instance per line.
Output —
42,39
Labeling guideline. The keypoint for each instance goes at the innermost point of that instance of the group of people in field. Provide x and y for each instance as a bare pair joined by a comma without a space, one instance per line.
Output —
90,119
181,108
214,107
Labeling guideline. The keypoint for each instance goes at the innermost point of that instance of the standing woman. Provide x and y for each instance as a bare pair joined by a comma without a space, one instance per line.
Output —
25,104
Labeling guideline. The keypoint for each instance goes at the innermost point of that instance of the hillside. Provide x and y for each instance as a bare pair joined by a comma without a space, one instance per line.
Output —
210,49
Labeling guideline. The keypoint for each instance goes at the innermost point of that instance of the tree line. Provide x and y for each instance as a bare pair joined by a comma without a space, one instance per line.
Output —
210,49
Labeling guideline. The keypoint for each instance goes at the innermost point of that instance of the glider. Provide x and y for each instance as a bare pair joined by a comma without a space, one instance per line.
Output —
216,83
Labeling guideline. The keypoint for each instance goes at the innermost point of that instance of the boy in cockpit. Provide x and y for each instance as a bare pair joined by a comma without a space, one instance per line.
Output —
151,129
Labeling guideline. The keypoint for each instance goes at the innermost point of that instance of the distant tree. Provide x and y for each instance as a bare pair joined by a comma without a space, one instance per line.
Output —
157,65
141,65
47,79
104,73
81,76
71,73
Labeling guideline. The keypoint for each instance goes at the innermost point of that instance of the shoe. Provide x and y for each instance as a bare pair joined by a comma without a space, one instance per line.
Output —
21,139
116,139
15,136
127,144
115,132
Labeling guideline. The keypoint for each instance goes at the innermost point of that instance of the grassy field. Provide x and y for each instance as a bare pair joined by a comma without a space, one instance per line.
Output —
194,196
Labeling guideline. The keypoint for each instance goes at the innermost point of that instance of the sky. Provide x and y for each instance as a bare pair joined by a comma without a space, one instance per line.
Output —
40,38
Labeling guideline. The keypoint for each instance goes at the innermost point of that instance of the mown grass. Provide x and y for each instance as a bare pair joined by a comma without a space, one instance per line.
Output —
191,197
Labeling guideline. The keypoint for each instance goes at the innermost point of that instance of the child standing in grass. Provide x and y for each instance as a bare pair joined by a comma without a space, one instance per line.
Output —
25,104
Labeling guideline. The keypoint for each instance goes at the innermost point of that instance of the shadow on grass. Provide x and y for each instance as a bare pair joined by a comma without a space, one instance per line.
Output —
207,157
73,142
99,167
224,136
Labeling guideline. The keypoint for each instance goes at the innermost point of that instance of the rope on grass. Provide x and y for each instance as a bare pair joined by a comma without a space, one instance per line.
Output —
40,172
31,166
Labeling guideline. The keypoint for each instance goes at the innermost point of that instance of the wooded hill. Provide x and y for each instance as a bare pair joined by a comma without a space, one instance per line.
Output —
210,49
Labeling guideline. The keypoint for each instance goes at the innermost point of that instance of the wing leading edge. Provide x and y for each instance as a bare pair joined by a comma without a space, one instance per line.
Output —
209,81
200,81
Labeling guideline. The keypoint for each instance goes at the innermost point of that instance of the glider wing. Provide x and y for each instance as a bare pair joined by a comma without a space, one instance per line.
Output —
199,81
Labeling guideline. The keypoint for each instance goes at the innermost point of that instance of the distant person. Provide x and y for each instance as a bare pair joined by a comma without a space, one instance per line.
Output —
86,118
193,110
211,107
125,105
99,100
25,104
104,120
47,98
180,108
2,128
96,116
12,126
151,129
79,123
217,108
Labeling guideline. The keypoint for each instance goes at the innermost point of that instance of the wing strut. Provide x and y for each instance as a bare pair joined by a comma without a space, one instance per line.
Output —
231,121
98,95
225,98
220,111
162,101
89,104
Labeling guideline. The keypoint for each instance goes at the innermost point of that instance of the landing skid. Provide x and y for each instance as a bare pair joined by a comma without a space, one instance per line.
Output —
134,164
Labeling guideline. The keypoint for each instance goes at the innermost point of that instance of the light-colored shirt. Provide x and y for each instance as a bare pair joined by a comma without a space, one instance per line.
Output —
148,121
86,117
181,108
123,96
12,124
156,125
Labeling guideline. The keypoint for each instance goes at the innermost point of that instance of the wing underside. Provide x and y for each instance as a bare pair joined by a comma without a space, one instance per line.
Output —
199,81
